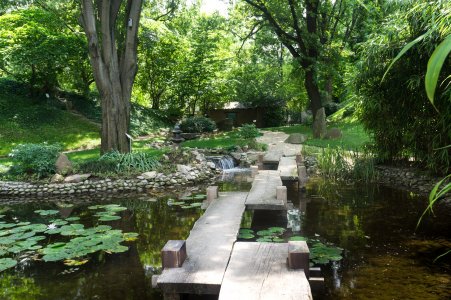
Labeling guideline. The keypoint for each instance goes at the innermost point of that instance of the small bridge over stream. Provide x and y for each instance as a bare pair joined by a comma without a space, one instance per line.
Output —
212,262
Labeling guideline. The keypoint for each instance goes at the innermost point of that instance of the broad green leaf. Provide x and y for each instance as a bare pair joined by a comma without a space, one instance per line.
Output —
405,49
435,64
6,263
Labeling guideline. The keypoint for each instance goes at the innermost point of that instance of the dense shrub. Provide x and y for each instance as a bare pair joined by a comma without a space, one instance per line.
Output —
396,110
331,108
145,120
38,159
121,163
249,131
274,116
197,124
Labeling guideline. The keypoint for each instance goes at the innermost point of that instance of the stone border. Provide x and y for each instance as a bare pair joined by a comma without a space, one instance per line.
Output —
150,180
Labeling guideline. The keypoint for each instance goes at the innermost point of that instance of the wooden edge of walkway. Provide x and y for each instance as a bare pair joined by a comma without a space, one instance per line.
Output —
209,247
258,271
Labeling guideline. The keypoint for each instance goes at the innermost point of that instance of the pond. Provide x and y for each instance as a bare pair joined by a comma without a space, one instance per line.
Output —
383,258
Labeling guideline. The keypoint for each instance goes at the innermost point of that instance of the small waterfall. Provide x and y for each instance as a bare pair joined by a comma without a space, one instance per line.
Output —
225,162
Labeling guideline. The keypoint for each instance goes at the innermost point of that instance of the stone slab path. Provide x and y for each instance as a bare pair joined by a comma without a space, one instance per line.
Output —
277,147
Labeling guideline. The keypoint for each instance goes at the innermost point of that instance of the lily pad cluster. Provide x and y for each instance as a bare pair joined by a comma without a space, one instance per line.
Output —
323,254
188,201
107,212
272,234
23,237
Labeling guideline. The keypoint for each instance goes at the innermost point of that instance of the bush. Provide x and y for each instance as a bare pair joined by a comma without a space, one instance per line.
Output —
124,163
249,131
36,159
274,116
197,124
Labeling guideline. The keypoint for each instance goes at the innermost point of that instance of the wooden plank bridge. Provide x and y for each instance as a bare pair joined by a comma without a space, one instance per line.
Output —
212,262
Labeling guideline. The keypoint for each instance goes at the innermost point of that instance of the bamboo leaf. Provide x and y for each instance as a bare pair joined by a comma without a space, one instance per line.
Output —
435,64
405,49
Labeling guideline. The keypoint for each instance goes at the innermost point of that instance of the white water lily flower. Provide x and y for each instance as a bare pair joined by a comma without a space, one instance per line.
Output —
51,226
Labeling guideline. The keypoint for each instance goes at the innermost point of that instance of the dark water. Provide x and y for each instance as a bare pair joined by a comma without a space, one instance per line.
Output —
383,257
106,276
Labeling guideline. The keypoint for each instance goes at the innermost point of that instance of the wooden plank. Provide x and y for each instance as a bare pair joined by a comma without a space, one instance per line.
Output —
173,254
263,192
258,271
209,247
288,168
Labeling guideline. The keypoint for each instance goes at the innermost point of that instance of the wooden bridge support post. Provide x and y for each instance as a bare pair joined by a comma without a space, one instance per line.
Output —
281,194
302,175
299,159
173,254
260,161
254,171
298,256
212,193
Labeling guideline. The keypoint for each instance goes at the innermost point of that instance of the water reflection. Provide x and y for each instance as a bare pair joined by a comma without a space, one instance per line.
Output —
106,276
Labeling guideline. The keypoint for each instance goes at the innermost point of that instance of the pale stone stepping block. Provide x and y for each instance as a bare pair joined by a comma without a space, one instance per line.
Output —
288,168
273,156
258,271
263,194
208,247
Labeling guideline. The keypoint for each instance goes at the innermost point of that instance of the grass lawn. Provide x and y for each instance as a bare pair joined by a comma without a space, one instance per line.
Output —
23,121
354,136
222,140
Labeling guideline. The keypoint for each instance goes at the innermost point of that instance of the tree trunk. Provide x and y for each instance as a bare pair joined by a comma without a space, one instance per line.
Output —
313,93
114,62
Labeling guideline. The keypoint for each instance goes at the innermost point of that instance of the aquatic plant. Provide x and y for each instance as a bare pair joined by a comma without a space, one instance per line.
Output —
19,237
184,201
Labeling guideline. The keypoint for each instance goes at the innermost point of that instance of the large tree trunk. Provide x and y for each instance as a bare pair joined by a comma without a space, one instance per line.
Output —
114,63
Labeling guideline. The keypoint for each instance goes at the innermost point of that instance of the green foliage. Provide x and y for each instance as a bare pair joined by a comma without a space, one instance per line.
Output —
249,131
339,164
197,124
22,120
36,159
397,110
188,201
144,120
120,163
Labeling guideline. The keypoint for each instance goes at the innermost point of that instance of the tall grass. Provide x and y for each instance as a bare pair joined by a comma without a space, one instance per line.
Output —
339,164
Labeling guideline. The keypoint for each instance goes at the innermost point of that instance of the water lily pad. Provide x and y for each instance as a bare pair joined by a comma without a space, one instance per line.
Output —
72,229
71,219
75,262
278,230
200,197
1,216
47,212
6,263
7,225
246,230
265,233
196,204
298,238
58,222
107,218
130,236
246,236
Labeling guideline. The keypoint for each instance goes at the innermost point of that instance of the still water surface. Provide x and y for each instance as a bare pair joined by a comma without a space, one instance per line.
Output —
383,257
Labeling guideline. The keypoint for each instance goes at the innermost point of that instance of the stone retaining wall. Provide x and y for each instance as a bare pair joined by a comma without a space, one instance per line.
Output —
141,183
406,178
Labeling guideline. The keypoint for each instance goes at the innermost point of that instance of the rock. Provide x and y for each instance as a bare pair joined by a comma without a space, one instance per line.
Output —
149,175
333,133
211,165
306,117
296,138
319,125
236,155
76,178
63,165
57,178
183,169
